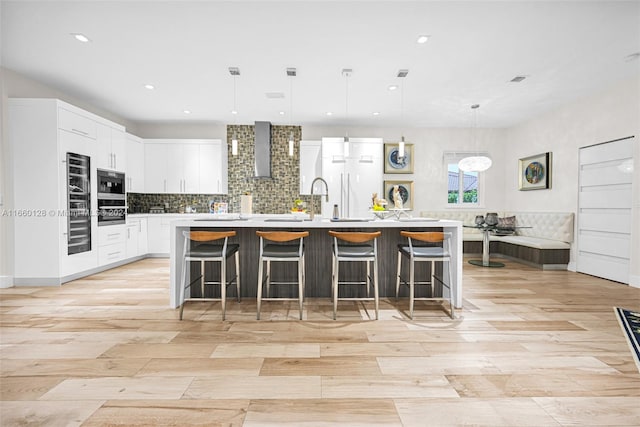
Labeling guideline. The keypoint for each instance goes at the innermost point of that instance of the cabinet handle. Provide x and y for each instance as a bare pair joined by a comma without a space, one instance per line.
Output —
165,185
218,186
80,131
128,233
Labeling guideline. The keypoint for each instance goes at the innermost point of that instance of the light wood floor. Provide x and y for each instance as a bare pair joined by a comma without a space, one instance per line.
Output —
530,347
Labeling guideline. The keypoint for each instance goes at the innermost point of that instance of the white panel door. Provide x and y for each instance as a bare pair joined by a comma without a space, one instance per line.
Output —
191,168
211,168
604,210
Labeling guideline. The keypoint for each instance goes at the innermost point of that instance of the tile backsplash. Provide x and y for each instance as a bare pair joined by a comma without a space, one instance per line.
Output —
275,195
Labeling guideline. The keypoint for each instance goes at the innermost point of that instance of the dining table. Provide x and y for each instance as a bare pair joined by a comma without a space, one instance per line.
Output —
486,232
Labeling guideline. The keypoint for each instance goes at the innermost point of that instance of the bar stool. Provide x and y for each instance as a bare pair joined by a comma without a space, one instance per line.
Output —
275,246
349,247
201,246
424,253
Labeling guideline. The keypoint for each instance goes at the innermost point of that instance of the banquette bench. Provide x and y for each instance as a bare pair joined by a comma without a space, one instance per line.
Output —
547,244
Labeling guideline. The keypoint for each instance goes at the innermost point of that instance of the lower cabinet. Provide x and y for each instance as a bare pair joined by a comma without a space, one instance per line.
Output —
112,245
136,237
158,237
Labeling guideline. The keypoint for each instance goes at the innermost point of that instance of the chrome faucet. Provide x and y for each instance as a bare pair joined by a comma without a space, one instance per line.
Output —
327,195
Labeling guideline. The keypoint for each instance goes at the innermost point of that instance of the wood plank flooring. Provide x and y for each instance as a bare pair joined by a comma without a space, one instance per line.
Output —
530,348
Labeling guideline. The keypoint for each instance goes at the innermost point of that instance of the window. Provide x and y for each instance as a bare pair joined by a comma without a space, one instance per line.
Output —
463,188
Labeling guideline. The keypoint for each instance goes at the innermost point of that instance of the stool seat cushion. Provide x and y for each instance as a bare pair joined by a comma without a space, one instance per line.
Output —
206,250
281,251
355,251
424,251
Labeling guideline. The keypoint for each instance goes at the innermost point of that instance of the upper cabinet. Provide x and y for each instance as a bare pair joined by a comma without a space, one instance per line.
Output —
111,148
310,164
185,166
135,164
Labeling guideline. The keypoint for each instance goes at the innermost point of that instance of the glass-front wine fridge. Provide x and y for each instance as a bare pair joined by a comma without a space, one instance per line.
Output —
78,203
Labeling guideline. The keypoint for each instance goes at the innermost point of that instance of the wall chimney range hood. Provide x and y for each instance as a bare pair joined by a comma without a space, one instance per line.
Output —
262,146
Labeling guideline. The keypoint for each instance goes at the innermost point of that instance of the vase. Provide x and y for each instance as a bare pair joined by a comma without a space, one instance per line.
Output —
479,220
491,218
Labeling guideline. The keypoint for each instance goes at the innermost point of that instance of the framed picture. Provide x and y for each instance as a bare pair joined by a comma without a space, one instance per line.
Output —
405,189
395,164
534,172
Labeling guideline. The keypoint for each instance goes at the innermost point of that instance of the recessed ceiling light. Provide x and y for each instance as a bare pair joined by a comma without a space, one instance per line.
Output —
186,111
423,38
149,86
234,112
281,113
376,113
393,87
329,113
81,37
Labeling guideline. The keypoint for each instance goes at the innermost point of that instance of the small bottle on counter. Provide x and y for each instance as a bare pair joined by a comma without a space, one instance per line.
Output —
336,212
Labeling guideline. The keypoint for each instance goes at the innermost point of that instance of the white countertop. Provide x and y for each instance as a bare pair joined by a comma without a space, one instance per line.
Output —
300,221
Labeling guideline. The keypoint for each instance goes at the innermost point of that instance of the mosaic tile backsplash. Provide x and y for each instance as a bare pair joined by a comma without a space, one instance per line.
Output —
275,195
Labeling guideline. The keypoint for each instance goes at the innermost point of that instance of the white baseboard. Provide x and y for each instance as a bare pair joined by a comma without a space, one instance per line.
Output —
6,282
37,281
634,281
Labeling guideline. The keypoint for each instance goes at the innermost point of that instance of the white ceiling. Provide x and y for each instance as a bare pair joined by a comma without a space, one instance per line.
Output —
567,49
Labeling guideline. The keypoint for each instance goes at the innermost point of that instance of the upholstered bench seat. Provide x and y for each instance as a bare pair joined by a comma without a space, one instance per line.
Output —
542,238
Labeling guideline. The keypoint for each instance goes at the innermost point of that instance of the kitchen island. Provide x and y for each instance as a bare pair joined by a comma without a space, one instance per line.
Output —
317,249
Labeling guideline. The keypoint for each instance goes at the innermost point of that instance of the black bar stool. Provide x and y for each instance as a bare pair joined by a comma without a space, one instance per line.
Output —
276,246
438,251
203,246
355,246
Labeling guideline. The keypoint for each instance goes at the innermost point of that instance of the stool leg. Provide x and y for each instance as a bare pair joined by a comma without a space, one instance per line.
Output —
433,279
453,316
411,285
202,278
237,257
368,278
304,278
375,284
399,271
336,268
268,279
223,286
300,284
183,283
259,299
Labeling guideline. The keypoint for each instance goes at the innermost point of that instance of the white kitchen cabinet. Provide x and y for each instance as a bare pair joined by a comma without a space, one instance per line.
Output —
212,158
134,172
41,132
112,244
111,148
352,177
310,164
184,166
158,238
136,237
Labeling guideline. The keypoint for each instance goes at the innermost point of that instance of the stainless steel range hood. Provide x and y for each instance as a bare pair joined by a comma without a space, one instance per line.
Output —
263,149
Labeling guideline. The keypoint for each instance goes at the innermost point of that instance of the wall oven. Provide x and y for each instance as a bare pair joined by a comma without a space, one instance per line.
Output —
112,198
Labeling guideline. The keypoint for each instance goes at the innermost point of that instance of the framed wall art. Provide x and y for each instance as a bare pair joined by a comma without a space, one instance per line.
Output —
534,172
405,188
394,164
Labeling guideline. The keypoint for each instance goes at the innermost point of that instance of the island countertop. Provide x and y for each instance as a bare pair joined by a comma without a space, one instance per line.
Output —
317,247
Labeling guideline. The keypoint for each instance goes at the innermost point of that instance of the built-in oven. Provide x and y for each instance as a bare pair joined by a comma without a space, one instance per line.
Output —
112,199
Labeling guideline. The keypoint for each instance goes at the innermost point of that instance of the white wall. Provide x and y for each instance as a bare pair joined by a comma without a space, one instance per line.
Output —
430,176
609,115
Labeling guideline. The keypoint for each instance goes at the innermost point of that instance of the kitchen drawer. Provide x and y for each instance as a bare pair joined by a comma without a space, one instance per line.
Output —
110,234
76,123
111,253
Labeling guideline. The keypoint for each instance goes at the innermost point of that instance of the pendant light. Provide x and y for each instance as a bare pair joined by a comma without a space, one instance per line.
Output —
401,74
346,73
291,72
235,72
477,162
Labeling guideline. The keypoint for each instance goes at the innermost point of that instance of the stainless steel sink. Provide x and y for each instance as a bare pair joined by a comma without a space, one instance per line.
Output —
351,220
283,220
